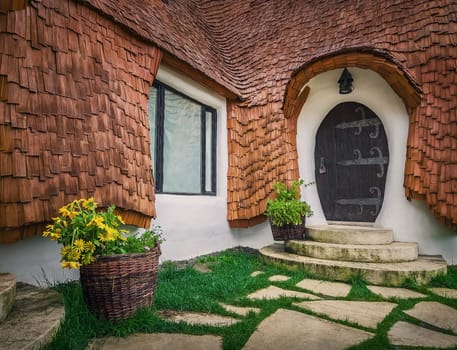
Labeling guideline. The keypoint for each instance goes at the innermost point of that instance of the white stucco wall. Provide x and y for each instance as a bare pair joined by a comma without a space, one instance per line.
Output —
410,221
196,225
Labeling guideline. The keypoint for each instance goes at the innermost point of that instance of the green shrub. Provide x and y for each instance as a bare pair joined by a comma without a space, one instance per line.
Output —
286,207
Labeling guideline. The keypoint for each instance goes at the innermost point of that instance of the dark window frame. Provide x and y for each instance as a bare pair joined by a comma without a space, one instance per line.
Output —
159,151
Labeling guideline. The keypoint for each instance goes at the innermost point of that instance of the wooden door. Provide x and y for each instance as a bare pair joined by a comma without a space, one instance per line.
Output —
351,159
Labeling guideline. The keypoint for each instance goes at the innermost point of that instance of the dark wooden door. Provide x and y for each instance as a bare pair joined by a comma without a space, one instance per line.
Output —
351,159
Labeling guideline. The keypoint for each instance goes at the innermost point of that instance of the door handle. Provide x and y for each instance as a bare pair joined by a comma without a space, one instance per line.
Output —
322,168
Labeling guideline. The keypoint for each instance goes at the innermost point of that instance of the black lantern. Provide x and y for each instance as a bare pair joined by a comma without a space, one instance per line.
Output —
345,82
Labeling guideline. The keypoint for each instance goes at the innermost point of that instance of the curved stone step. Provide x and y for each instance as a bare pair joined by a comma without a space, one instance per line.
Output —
344,234
394,252
393,274
34,319
7,294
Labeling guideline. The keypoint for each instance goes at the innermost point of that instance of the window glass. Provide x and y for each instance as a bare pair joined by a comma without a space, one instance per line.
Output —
183,142
208,147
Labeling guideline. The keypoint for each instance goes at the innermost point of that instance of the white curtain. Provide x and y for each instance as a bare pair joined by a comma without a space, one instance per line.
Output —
182,145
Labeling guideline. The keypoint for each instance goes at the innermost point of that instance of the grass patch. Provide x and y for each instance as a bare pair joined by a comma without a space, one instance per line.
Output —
181,288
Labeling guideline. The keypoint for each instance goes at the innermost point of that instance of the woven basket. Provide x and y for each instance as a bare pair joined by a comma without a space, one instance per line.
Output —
116,286
289,231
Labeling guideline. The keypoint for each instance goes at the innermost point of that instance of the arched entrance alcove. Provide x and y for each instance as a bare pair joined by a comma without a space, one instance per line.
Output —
410,220
372,91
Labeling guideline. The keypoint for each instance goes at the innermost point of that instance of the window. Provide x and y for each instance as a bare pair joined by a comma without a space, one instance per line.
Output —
183,142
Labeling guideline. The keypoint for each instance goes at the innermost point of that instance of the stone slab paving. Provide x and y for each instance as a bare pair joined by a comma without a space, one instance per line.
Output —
334,289
278,278
408,334
389,292
435,313
273,292
7,294
291,330
445,292
197,318
203,268
34,319
158,341
364,313
256,273
242,311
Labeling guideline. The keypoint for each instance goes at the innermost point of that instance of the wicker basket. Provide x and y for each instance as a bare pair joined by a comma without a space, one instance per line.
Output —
116,286
288,232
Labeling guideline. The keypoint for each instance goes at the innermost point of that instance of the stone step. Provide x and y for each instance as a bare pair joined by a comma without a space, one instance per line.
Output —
7,294
394,252
346,234
421,270
34,319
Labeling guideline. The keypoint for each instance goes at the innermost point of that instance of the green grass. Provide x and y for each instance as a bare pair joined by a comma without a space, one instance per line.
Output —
184,289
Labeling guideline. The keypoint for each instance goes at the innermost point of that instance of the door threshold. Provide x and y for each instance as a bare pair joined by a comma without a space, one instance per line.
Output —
351,223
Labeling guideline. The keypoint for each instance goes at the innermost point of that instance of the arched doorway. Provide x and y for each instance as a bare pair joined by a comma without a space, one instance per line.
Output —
351,160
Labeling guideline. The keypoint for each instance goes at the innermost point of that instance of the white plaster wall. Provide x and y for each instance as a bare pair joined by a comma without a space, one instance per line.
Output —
410,221
196,225
35,260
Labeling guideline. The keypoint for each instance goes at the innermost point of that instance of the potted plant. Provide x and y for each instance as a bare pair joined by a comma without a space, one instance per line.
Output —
118,271
287,212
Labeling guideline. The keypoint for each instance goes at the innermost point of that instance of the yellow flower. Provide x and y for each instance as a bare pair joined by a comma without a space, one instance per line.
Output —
64,211
106,236
111,233
70,264
73,254
90,247
88,203
56,235
68,212
65,250
79,245
120,219
97,221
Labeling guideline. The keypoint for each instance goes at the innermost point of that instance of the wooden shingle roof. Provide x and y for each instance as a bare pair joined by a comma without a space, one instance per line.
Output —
257,53
255,48
73,115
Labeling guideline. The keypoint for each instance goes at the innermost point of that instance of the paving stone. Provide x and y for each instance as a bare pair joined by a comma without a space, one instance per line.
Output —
435,313
7,294
292,330
273,292
242,311
203,268
278,278
34,319
364,313
334,289
346,234
407,334
158,341
392,252
257,273
197,318
445,292
388,292
421,270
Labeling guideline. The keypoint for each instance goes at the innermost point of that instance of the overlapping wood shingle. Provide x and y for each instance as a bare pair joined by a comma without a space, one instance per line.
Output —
73,115
258,53
255,48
